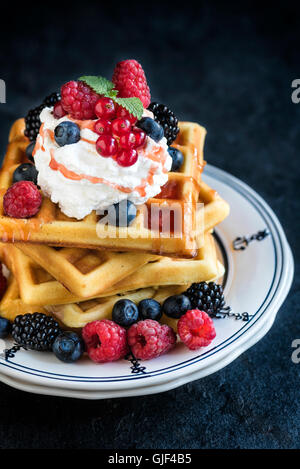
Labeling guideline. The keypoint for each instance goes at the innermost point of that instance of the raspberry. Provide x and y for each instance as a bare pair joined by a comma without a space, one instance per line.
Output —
22,200
196,329
129,79
58,110
79,100
3,283
105,341
149,339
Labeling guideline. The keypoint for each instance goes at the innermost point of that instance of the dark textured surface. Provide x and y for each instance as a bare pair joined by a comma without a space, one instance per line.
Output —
231,70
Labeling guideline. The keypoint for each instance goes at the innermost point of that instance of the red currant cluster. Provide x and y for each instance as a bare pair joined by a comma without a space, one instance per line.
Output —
119,138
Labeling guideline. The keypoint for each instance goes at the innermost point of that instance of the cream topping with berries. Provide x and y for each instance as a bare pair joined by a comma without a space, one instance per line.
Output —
80,180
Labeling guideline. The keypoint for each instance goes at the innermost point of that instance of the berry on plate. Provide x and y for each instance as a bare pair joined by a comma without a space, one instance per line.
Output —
120,126
127,140
79,100
130,80
68,347
33,122
121,214
66,133
25,172
58,110
52,99
149,339
124,114
5,327
140,137
35,331
105,108
175,306
196,329
151,128
177,158
29,150
105,341
127,157
22,200
167,119
102,126
106,145
150,309
208,297
125,313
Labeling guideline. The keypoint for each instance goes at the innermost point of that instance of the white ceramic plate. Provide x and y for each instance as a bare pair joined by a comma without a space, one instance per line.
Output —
257,281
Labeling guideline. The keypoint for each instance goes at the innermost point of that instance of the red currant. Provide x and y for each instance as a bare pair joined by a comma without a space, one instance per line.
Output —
140,137
58,110
102,126
120,126
105,107
127,157
106,145
122,112
128,141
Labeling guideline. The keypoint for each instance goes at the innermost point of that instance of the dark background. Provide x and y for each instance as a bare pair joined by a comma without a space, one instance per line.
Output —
230,68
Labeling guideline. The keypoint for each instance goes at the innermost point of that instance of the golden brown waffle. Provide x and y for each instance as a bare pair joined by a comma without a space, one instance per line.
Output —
77,315
51,226
37,286
84,272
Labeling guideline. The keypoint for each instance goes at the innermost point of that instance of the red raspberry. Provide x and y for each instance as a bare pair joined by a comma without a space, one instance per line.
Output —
196,329
105,341
129,79
22,200
79,100
149,339
3,283
58,110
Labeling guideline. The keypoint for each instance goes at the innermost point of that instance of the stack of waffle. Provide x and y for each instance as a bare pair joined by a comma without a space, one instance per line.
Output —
77,270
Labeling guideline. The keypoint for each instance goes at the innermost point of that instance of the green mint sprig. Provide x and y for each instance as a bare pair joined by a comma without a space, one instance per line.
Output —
106,88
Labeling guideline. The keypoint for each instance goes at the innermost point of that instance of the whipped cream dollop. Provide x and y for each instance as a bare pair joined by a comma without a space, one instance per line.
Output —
80,180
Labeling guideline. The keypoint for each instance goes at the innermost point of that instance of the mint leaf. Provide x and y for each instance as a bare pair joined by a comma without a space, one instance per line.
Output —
133,105
99,84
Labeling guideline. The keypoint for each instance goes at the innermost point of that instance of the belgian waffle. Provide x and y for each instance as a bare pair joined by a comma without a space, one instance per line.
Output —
51,227
37,286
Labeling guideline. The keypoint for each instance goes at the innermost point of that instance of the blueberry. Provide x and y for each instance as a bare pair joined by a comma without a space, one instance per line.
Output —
121,214
29,150
125,313
25,172
177,158
175,306
150,309
151,128
66,133
68,347
5,328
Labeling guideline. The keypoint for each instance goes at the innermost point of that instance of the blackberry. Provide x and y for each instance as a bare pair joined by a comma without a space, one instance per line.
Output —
207,297
33,123
52,99
32,120
35,331
167,119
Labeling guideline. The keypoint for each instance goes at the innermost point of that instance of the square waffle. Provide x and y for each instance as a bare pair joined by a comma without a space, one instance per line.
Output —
51,227
37,286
